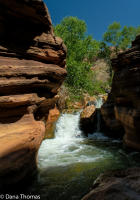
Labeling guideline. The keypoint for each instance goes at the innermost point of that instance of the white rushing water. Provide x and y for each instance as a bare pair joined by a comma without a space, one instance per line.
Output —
69,146
69,163
99,103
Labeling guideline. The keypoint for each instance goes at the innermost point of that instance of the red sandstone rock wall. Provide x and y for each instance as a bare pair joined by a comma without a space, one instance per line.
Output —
32,68
122,110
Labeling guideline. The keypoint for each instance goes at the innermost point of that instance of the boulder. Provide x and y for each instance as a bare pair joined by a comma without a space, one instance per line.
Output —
87,119
89,100
32,69
117,185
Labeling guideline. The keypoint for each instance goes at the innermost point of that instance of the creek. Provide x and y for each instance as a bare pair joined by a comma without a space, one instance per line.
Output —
69,163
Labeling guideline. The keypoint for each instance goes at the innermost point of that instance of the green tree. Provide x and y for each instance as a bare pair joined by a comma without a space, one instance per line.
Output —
128,34
113,35
119,37
81,50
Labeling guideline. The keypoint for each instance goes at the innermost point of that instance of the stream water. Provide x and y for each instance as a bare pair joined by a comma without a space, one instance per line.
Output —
69,163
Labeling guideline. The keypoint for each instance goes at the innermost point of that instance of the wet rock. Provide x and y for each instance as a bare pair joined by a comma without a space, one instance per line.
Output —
87,119
89,100
117,185
104,97
111,126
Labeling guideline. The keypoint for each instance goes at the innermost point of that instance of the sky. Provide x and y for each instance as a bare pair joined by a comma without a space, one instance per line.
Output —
97,14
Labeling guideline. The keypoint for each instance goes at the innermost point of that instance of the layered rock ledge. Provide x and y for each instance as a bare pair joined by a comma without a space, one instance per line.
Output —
122,109
32,68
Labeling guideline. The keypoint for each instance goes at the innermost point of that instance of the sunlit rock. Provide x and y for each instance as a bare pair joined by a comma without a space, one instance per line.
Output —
51,122
32,69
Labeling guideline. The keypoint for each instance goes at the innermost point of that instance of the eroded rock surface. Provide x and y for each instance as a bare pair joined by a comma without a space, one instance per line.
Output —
53,116
32,68
117,185
122,109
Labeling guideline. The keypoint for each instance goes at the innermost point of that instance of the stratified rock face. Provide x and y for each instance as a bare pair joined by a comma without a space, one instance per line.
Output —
32,68
122,110
117,185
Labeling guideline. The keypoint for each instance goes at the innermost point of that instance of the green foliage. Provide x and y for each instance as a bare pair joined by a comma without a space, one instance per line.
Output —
105,51
80,46
81,50
119,37
113,34
78,75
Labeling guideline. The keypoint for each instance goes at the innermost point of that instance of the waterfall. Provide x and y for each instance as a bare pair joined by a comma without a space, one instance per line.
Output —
68,162
99,103
68,145
97,135
67,126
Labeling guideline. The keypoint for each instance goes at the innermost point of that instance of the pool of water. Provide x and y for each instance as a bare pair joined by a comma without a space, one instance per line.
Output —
69,163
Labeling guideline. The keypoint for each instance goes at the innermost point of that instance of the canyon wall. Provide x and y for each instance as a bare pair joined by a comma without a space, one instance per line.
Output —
122,109
32,68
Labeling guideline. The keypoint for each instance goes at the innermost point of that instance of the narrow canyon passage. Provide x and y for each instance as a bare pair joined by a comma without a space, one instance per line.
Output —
49,67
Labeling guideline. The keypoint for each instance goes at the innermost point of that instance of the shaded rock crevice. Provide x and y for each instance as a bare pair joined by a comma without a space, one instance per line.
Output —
122,109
